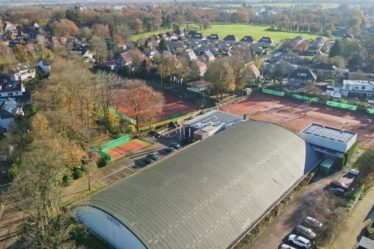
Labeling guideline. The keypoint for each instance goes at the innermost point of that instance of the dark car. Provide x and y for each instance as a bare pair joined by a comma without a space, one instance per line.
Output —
147,160
153,156
337,191
154,134
304,231
139,163
168,150
175,145
339,184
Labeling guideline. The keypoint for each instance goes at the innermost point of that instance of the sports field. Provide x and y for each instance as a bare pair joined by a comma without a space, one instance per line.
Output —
125,148
295,116
257,31
172,108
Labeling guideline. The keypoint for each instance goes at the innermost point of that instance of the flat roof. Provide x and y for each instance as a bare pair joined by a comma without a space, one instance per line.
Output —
209,194
213,118
329,133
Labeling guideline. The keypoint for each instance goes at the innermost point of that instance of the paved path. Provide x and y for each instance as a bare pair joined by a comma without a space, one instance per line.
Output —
356,221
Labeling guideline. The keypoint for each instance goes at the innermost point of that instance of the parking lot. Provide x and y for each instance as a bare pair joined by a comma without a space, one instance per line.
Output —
313,200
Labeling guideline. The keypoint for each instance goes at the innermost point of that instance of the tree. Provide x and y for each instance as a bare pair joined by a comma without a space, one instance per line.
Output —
106,93
121,34
21,53
221,75
141,100
99,48
64,28
162,46
336,49
100,30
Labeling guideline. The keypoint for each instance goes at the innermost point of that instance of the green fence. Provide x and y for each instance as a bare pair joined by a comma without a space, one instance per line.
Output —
305,98
105,155
123,116
341,105
370,110
115,142
273,92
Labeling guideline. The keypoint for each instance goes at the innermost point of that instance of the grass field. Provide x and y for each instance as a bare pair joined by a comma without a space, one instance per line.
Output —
257,31
281,5
147,34
239,30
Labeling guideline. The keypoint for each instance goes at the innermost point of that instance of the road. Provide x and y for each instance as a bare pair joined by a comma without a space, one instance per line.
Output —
356,221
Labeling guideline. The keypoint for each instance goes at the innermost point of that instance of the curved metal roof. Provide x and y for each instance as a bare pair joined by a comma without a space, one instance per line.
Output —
209,194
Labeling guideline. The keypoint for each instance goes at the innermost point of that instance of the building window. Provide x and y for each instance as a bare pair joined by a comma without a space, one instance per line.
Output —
10,94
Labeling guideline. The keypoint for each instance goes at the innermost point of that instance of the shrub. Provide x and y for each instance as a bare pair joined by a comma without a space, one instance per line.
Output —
67,180
103,162
77,173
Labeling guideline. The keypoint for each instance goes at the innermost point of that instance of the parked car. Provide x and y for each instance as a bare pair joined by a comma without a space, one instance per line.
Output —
154,156
337,191
139,163
313,222
168,150
175,145
154,134
339,184
285,246
147,160
299,241
304,231
354,172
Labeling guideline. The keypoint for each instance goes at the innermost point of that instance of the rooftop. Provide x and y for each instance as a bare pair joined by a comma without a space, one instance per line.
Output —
208,194
329,133
214,117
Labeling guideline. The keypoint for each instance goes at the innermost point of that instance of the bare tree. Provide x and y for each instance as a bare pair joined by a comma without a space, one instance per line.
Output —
141,101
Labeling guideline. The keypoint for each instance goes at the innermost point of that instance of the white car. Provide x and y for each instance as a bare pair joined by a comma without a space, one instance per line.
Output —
285,246
311,221
299,241
354,172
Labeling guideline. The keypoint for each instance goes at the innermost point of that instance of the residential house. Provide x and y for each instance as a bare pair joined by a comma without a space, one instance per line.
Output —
358,88
266,42
44,67
189,55
230,38
253,71
208,56
248,39
324,70
124,60
301,78
213,37
110,64
292,44
316,46
9,110
11,89
22,72
88,56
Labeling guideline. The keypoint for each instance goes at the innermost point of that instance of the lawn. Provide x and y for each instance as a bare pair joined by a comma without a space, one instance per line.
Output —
239,30
147,34
257,31
292,5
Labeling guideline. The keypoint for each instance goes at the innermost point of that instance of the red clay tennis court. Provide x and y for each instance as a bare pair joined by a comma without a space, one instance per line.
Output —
294,116
172,106
125,148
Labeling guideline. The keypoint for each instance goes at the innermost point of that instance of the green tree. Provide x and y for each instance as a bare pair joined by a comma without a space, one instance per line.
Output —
221,75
